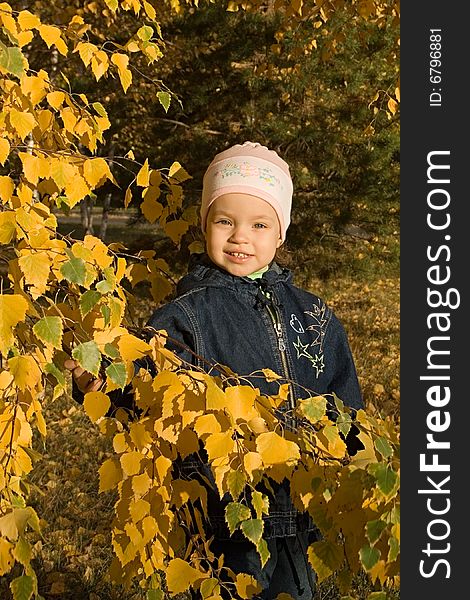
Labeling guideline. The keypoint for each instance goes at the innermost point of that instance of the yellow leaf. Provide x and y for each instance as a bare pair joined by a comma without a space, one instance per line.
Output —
176,229
7,226
22,122
36,267
62,172
131,347
251,462
7,187
247,586
149,9
127,197
240,402
24,38
50,34
206,424
27,20
25,371
110,474
275,449
143,176
125,75
178,172
141,484
69,119
130,463
96,171
55,99
162,465
76,189
180,575
220,444
86,52
392,105
31,166
99,64
96,405
330,440
12,310
4,150
151,209
6,558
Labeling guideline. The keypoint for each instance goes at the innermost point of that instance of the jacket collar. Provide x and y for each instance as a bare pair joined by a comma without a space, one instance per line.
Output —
202,272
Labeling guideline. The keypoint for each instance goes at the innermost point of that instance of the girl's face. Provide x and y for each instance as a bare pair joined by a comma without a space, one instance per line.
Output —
242,233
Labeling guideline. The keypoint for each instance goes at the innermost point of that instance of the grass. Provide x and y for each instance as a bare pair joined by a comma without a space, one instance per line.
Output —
74,552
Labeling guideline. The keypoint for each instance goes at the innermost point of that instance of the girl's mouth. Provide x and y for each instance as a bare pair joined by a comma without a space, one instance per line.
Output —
238,257
239,254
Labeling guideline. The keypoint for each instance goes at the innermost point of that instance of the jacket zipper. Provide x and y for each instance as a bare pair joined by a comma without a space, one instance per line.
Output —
273,312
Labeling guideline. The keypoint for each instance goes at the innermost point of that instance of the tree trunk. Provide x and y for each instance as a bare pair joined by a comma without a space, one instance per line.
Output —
86,215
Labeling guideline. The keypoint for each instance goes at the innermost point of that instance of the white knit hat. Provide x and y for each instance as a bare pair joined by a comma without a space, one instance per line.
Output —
252,169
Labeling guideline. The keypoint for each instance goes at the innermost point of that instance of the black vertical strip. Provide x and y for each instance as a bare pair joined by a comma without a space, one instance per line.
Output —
435,334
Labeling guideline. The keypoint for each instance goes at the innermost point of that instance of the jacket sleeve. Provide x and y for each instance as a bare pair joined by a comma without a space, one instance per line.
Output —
344,382
177,323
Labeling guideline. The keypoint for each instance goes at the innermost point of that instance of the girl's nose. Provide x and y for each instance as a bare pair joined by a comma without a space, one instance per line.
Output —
239,235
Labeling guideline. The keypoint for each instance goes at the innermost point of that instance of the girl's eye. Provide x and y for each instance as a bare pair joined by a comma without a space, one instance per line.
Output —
260,225
223,222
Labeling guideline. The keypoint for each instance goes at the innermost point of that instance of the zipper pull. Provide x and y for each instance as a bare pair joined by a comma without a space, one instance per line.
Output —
282,346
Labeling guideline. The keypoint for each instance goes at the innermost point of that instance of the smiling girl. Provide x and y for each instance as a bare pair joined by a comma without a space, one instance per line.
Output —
237,307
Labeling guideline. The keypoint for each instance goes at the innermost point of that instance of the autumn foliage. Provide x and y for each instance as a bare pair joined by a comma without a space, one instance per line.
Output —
64,298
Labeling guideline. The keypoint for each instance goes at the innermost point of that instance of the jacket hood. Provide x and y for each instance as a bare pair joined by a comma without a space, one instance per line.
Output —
202,272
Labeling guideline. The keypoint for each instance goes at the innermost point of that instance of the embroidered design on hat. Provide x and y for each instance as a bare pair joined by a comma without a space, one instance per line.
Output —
246,169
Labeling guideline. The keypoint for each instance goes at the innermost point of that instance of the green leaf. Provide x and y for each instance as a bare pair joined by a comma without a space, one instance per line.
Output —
104,286
22,587
50,331
155,595
145,33
88,301
264,554
344,422
382,446
369,557
74,270
111,351
313,408
52,369
117,373
12,60
374,530
385,476
164,98
100,109
236,481
235,513
22,551
88,357
326,557
106,312
394,551
253,530
377,596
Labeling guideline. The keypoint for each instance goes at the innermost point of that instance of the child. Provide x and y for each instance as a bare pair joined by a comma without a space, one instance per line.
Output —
238,308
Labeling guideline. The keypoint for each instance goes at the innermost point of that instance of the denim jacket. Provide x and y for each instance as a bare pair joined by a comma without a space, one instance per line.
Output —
249,325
